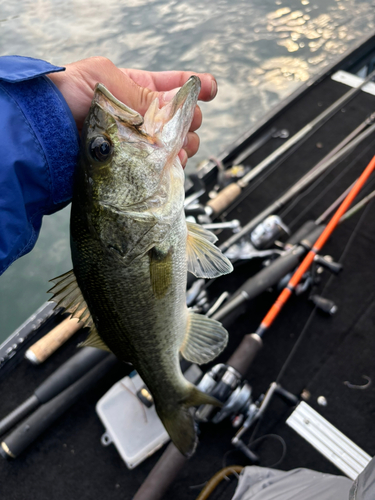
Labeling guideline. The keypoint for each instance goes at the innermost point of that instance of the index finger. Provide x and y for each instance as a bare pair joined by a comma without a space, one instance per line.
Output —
162,81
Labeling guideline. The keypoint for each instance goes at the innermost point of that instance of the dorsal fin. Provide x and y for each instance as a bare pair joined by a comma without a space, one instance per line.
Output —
67,294
204,260
204,339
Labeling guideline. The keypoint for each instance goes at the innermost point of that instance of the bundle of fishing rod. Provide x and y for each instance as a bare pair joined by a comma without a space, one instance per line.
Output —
278,254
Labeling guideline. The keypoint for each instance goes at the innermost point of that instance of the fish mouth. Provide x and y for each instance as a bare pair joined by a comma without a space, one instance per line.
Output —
168,125
185,100
187,96
108,102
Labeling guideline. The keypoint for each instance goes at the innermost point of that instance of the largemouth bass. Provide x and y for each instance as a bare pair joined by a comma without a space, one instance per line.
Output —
131,249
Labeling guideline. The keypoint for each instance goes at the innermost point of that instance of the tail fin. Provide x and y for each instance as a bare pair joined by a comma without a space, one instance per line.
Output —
179,421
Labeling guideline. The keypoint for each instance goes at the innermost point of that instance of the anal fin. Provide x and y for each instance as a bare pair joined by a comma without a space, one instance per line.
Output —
204,340
93,340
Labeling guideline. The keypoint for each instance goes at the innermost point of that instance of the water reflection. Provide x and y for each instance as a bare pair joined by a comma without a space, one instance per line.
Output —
259,51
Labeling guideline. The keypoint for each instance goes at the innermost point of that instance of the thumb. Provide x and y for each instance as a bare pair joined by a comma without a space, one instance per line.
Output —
133,95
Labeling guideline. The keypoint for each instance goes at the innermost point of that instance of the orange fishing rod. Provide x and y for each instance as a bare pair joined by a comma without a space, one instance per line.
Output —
308,260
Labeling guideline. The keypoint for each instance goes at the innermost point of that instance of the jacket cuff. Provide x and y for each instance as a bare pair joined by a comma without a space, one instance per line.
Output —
53,125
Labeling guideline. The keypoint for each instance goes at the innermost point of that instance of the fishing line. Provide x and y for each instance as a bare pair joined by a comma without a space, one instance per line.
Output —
278,438
259,440
325,190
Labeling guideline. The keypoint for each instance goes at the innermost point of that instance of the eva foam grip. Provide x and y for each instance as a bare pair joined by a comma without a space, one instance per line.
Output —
162,475
34,425
245,353
225,198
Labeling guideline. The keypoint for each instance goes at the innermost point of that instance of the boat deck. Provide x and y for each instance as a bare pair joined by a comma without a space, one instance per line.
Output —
68,461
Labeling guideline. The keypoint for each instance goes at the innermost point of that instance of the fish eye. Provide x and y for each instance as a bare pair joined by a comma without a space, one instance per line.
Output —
100,148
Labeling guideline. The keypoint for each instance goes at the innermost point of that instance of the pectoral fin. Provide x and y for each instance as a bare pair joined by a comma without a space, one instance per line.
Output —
197,230
204,260
205,338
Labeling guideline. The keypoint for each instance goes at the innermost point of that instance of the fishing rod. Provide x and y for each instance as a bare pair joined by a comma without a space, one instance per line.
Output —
296,248
239,166
67,374
227,382
229,194
258,143
308,260
351,141
263,403
49,411
340,151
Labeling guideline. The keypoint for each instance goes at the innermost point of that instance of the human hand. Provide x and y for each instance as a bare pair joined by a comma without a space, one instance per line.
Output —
135,88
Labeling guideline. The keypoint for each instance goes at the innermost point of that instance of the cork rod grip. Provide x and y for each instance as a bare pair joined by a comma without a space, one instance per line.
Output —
225,198
54,339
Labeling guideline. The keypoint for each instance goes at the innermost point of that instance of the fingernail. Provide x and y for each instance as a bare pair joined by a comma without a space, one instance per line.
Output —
186,142
213,89
168,96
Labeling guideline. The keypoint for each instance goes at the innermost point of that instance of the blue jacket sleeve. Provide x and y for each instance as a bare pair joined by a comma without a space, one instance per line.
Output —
39,150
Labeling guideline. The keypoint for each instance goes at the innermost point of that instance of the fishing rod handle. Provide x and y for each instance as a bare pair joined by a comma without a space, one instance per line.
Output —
54,339
303,232
62,378
263,280
162,475
230,193
31,428
224,198
18,414
69,372
244,355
